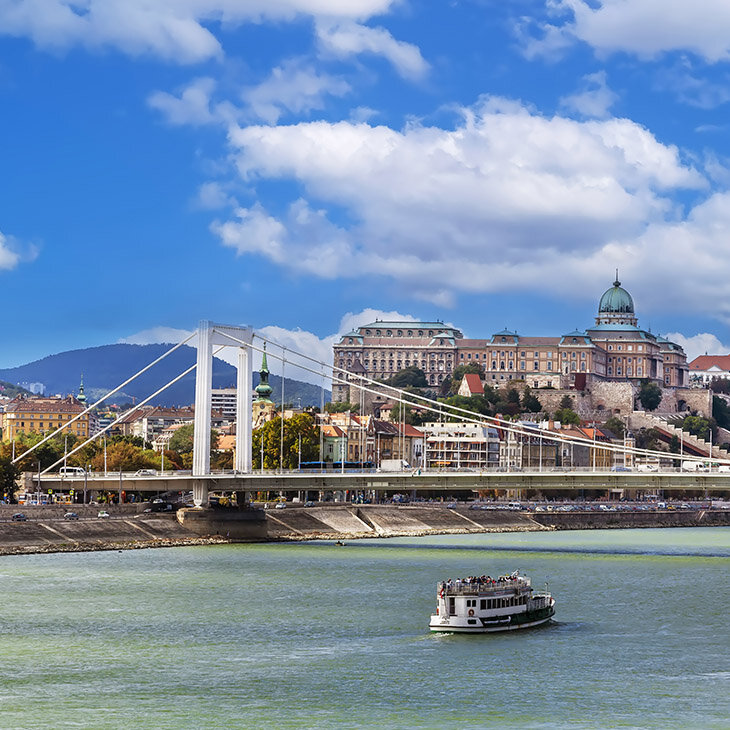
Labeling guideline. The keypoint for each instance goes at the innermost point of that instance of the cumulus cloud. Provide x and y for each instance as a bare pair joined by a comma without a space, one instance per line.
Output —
9,258
343,39
192,106
703,343
595,99
296,87
646,28
156,335
173,30
507,199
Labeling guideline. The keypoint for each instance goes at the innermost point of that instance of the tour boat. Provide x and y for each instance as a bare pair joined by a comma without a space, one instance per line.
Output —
478,605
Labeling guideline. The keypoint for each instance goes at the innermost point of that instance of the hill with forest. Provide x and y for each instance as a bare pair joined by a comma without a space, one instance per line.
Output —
108,366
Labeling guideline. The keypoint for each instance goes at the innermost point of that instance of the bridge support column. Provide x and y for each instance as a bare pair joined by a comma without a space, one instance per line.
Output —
200,493
244,384
203,387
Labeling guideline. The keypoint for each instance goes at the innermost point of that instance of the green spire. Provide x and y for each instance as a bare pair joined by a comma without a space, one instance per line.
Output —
81,396
263,389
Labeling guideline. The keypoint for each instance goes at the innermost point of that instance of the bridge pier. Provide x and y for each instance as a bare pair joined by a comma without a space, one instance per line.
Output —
200,493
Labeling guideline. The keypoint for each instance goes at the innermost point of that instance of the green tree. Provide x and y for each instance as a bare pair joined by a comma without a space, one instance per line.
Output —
341,407
530,402
699,426
182,439
8,474
646,438
616,426
123,456
300,425
568,416
412,376
475,403
566,402
720,411
650,395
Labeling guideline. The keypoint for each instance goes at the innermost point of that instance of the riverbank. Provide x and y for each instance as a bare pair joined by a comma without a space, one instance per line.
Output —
130,528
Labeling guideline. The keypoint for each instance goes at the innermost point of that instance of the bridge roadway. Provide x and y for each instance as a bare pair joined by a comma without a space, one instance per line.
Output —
391,482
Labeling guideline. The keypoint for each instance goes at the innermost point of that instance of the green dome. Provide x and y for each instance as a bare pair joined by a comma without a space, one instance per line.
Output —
616,300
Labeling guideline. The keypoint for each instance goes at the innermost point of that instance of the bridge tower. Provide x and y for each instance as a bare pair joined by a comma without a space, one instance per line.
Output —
210,335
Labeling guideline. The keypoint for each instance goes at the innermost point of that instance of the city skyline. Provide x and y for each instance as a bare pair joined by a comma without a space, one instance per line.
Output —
308,167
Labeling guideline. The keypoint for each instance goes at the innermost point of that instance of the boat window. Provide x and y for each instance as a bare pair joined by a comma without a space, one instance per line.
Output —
452,606
483,604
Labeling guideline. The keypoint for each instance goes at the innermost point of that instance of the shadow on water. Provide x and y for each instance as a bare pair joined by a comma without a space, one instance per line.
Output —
526,549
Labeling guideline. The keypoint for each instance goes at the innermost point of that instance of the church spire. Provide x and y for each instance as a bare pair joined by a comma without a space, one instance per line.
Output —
81,397
263,389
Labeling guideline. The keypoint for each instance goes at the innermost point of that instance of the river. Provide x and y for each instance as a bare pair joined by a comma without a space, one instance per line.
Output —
310,635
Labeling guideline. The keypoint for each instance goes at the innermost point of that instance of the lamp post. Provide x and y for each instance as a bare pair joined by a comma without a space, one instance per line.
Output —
105,473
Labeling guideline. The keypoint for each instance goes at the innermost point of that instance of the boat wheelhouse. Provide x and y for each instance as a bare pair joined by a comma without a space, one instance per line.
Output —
483,604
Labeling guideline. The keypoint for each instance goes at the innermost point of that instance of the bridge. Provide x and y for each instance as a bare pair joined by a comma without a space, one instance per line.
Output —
210,338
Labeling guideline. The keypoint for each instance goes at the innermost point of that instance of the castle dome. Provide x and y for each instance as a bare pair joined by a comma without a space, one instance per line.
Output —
616,300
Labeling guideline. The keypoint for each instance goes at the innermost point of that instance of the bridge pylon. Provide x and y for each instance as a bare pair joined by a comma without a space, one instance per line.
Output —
209,336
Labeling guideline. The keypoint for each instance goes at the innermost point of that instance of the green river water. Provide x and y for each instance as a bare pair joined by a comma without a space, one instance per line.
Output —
310,635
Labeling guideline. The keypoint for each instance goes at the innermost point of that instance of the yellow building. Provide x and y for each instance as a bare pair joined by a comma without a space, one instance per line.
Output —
41,415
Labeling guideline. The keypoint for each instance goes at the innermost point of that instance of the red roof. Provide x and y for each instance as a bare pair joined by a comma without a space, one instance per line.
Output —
474,383
705,362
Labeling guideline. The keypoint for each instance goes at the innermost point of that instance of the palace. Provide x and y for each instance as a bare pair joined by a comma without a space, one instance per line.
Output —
614,348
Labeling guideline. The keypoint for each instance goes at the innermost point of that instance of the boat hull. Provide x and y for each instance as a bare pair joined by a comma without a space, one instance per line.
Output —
455,625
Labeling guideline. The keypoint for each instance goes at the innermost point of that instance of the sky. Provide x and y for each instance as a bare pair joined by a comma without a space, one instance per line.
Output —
305,166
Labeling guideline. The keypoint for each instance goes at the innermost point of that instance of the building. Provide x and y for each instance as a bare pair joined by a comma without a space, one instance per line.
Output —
39,414
381,349
461,446
471,384
706,368
224,400
613,348
263,408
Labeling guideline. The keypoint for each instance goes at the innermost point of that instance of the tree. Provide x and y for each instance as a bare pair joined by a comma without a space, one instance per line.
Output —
567,415
270,434
616,426
341,407
721,412
460,371
123,456
475,403
646,438
699,426
566,402
650,395
8,474
530,402
412,376
182,439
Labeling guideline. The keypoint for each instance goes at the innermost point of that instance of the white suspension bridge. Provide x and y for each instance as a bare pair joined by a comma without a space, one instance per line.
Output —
210,339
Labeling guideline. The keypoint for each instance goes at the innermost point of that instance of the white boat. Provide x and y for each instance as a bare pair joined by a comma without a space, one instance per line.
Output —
478,605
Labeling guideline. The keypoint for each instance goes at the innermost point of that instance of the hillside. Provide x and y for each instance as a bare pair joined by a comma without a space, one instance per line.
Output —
10,389
108,366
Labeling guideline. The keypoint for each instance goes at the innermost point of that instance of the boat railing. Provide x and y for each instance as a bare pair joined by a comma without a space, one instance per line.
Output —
461,588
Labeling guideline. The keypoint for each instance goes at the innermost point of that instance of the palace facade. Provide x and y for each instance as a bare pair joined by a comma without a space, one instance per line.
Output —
614,348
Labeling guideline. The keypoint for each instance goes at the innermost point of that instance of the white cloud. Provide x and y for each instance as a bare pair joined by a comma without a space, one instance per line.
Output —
703,343
191,107
295,87
508,199
156,335
344,39
170,29
9,259
594,100
646,28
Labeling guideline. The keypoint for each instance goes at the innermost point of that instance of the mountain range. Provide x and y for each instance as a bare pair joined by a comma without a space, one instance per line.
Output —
104,368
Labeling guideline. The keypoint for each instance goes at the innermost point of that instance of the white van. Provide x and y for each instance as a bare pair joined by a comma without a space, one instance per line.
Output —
693,466
71,471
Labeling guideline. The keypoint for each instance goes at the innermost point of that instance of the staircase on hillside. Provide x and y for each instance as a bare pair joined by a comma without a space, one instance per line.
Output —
641,419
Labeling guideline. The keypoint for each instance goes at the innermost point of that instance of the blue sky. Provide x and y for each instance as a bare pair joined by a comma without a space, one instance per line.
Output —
306,165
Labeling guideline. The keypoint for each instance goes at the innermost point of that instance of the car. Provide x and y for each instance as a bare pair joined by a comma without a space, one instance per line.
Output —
71,471
103,514
19,517
70,516
145,473
309,504
280,505
620,468
451,505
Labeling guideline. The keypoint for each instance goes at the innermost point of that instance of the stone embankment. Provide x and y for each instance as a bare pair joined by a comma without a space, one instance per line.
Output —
355,521
127,527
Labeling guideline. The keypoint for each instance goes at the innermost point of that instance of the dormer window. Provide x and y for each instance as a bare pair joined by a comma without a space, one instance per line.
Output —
504,339
377,332
389,333
350,341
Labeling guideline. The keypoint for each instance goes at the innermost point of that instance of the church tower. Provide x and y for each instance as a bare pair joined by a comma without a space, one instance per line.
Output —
264,408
